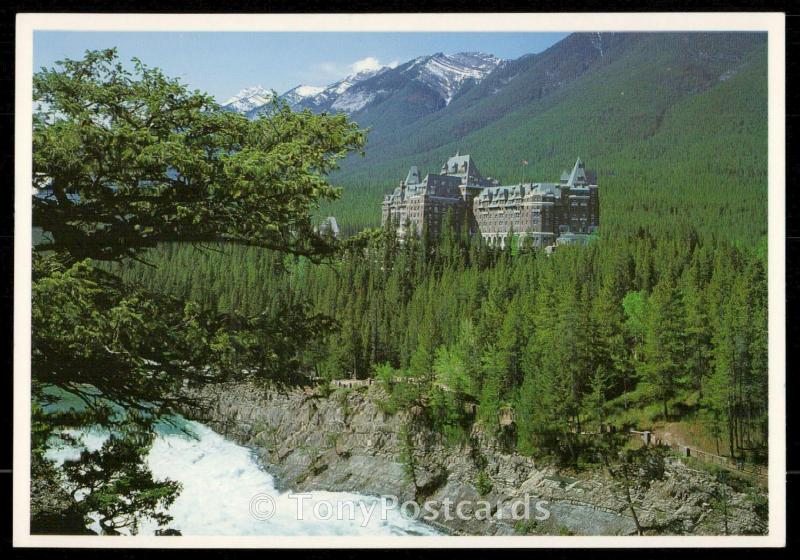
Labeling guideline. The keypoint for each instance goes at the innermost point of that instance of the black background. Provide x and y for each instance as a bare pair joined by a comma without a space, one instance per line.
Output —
8,12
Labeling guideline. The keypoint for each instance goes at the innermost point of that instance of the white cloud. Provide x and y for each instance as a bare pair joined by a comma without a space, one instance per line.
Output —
369,63
339,71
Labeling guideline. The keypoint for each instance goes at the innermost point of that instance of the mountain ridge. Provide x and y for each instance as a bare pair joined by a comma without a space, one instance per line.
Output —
438,78
610,100
248,99
620,101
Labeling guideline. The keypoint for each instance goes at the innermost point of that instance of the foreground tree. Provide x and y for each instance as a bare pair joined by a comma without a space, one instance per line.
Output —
114,484
125,158
632,470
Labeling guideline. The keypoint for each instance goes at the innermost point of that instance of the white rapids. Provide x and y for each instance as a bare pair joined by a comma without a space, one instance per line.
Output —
226,492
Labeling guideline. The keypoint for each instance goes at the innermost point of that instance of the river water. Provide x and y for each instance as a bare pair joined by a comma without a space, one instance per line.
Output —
226,492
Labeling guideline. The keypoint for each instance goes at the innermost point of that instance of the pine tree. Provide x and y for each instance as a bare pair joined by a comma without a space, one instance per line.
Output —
663,351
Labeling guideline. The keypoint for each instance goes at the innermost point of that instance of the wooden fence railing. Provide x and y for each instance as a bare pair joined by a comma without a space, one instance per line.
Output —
648,438
352,382
506,418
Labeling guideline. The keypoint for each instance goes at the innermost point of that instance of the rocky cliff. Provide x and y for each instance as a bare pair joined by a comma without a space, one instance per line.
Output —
345,442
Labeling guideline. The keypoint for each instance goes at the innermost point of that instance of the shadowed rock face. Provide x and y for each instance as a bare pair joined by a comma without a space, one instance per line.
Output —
345,442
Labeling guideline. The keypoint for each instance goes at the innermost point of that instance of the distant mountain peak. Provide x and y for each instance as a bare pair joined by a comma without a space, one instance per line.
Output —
300,93
249,98
444,75
343,85
308,91
447,73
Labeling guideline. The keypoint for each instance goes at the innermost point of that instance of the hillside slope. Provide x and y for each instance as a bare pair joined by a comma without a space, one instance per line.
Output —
674,124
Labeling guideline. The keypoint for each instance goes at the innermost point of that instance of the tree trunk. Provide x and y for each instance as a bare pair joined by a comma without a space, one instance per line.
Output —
628,499
625,387
725,507
730,434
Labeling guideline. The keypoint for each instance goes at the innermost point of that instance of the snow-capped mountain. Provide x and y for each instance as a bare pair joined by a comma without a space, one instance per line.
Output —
296,95
428,81
334,97
343,85
447,73
419,86
248,99
423,84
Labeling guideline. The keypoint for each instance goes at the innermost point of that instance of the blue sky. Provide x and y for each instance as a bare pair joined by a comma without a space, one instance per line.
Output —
224,63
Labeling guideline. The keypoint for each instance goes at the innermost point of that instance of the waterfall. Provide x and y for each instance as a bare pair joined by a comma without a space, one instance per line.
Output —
226,492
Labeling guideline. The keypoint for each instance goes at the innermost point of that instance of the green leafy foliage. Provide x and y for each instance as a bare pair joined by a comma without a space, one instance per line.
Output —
114,484
483,483
124,159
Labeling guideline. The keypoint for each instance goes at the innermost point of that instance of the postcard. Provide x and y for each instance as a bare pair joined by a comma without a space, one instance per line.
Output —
408,280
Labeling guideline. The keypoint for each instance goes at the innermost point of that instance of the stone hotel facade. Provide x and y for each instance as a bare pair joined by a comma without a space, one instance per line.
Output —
545,214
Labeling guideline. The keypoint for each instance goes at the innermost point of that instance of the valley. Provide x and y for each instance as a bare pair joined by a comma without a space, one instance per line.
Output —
180,269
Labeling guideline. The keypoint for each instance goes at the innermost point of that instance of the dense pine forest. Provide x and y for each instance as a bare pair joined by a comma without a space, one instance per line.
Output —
660,321
628,331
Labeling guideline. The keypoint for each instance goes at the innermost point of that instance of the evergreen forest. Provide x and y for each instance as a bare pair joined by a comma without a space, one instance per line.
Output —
661,320
629,331
176,244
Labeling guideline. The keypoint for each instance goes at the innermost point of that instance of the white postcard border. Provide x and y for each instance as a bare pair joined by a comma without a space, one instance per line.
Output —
772,23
